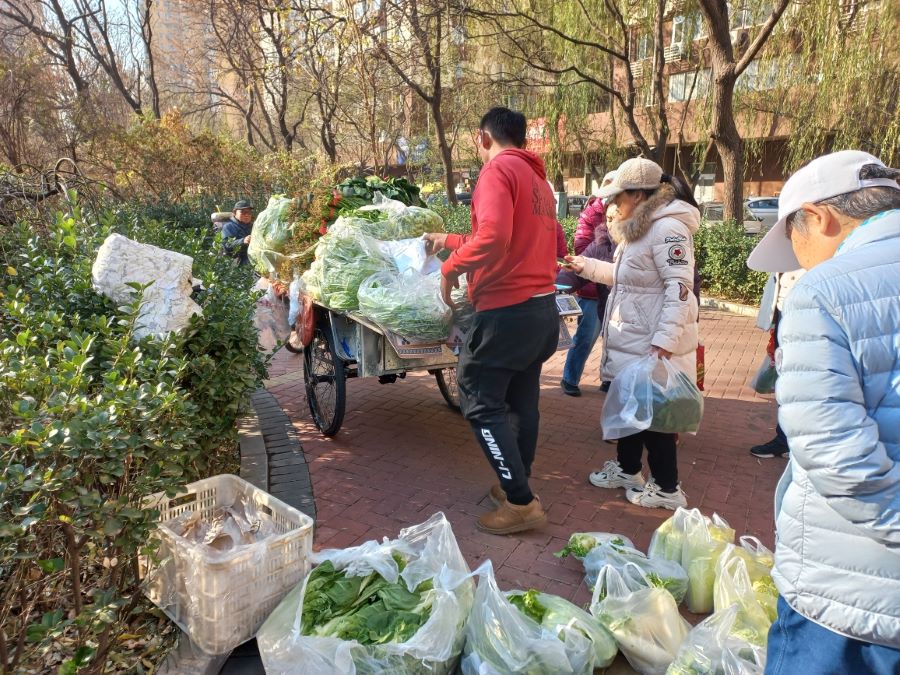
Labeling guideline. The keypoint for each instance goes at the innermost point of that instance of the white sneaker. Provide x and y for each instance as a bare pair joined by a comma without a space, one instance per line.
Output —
652,497
612,476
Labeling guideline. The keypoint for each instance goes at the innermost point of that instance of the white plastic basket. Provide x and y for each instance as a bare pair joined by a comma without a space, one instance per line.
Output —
221,599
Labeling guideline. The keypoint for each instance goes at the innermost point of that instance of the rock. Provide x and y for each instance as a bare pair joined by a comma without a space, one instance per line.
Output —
167,301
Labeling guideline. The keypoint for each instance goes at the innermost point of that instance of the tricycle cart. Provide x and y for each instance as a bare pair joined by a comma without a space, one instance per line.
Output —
346,345
341,345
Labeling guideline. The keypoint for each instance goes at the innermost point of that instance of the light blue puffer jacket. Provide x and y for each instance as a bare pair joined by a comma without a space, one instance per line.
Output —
837,507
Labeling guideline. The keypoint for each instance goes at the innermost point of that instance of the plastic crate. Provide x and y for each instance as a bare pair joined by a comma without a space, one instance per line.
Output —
221,599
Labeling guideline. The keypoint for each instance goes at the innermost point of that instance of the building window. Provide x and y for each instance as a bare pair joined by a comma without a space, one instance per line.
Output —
774,73
642,46
682,86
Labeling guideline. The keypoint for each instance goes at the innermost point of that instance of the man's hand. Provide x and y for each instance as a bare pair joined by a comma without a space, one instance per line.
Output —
661,353
576,263
448,283
434,242
247,239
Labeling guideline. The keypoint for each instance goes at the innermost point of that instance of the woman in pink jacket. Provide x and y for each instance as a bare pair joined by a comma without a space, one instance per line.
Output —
591,227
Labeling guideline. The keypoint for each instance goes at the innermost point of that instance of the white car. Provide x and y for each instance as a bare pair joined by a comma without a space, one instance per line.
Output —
764,208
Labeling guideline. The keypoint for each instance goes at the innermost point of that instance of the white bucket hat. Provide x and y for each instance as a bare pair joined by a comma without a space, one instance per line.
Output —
610,176
633,174
824,177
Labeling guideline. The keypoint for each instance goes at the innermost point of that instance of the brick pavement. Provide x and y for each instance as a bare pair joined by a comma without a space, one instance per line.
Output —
402,454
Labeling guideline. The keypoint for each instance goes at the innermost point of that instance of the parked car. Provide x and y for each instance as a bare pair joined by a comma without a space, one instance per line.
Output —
576,204
713,213
764,208
464,198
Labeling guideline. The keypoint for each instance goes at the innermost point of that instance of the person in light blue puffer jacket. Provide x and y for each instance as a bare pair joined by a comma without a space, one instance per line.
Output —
837,507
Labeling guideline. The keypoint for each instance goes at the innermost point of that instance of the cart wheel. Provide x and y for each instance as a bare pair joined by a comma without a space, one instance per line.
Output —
446,382
293,343
326,383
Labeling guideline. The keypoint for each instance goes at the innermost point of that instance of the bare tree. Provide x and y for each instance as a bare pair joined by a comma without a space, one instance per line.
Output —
727,65
571,43
85,37
414,37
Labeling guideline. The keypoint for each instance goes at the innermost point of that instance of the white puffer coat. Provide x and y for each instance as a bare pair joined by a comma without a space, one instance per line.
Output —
652,276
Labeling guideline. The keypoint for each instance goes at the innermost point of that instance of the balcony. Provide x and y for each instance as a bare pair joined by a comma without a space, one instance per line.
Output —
638,68
674,52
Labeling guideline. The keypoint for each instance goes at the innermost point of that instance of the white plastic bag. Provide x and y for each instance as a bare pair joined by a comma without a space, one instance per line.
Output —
410,254
677,402
644,620
651,393
628,408
502,640
270,318
435,647
711,647
703,543
659,572
407,304
294,296
695,542
755,599
766,376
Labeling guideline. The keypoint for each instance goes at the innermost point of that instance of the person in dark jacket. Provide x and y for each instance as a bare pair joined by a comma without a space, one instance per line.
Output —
236,232
591,239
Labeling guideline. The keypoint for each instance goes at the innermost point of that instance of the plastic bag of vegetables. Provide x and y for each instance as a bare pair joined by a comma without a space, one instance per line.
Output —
581,543
347,259
733,586
677,402
695,542
711,648
401,221
530,633
271,232
398,606
658,572
408,304
643,619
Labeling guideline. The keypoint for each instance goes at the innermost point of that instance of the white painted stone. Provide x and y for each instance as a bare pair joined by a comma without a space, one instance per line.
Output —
167,301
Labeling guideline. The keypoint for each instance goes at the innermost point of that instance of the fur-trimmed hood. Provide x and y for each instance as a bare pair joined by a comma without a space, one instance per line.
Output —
662,204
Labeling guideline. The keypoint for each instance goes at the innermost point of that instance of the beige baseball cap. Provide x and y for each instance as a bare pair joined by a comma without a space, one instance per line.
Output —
633,174
824,177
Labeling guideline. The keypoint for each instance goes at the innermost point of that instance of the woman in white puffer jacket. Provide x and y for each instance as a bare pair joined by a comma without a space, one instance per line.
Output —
651,309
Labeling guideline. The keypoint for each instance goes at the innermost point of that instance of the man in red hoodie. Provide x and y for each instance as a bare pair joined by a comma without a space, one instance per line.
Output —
510,265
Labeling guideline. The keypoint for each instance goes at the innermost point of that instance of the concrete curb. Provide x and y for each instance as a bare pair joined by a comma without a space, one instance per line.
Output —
728,306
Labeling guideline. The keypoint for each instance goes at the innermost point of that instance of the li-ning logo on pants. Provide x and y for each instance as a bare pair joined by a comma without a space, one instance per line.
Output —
496,454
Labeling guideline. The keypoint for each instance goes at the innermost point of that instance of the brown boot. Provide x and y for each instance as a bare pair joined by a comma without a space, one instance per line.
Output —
509,518
496,494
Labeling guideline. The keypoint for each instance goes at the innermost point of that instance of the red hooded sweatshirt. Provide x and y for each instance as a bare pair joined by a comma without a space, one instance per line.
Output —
510,255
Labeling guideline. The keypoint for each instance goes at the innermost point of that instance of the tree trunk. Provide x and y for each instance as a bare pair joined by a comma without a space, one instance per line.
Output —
729,143
445,149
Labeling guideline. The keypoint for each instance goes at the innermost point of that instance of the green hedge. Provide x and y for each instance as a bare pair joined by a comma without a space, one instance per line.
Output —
722,251
91,422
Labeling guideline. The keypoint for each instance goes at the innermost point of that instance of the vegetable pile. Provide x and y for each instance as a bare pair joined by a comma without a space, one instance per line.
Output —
347,259
657,572
368,609
272,230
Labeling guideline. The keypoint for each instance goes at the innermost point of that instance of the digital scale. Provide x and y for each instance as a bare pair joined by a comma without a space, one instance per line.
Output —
567,305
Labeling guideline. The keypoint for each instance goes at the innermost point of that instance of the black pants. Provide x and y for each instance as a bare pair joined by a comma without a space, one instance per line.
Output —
499,376
779,432
660,456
